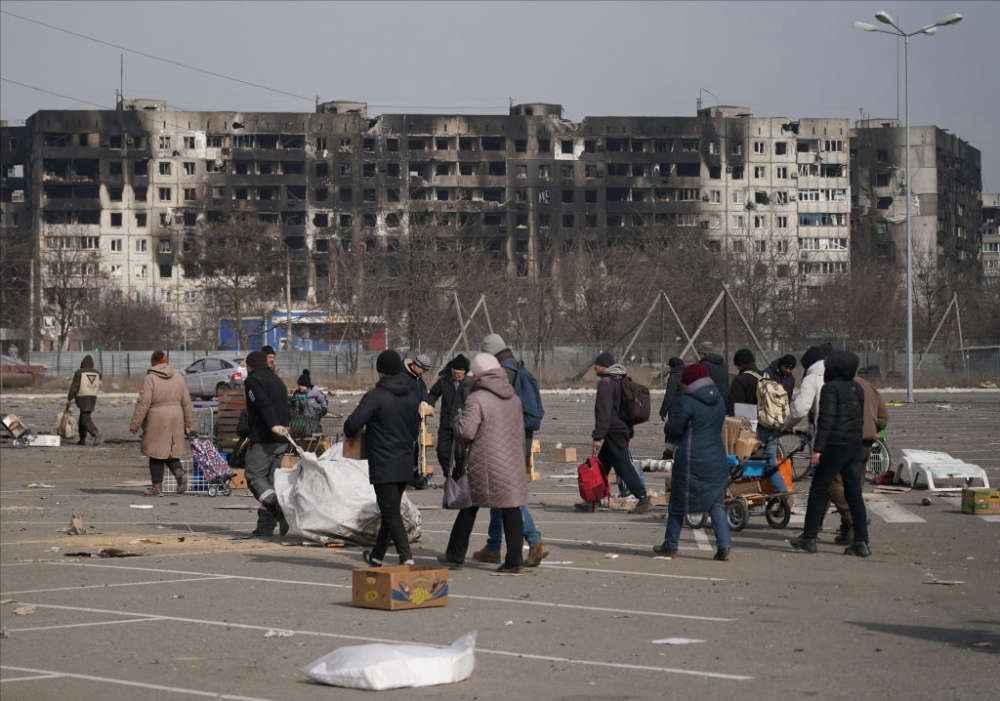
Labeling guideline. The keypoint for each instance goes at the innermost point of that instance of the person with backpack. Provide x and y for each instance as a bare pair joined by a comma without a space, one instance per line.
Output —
700,472
526,389
84,388
744,390
389,414
780,371
836,450
612,433
449,450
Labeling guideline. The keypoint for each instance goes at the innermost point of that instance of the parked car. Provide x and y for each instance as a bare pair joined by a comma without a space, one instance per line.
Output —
206,376
16,373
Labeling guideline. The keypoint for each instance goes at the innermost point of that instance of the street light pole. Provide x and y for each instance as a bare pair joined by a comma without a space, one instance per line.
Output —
929,30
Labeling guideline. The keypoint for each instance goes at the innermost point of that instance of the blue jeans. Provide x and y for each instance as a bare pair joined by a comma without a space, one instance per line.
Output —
495,539
675,522
769,437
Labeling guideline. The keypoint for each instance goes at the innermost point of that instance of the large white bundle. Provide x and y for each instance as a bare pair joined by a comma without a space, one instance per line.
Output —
329,498
380,666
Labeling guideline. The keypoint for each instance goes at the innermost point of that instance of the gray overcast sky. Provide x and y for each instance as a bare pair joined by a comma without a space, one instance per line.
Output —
780,58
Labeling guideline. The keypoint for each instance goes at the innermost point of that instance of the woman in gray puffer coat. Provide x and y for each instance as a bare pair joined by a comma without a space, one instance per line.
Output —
492,421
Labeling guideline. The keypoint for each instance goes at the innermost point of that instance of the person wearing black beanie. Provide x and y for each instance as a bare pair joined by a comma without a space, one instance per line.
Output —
317,402
272,358
388,363
305,379
389,415
449,449
604,360
267,415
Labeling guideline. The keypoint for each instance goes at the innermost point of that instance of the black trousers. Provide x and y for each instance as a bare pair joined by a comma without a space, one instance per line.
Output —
614,454
156,467
389,497
86,425
513,533
842,460
451,452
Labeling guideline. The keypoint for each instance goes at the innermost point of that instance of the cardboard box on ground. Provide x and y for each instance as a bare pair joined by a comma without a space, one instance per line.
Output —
400,588
981,501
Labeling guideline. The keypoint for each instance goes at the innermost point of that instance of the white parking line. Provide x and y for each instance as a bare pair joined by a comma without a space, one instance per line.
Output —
108,586
892,512
81,625
322,634
31,678
701,538
496,599
597,544
51,674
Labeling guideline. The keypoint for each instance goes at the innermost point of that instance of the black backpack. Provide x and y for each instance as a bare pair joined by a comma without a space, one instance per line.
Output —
634,406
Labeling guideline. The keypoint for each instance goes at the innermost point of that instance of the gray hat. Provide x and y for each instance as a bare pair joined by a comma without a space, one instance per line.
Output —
493,344
423,362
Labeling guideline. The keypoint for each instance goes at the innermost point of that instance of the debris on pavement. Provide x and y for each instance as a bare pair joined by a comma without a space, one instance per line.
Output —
508,623
140,506
611,556
116,552
676,641
6,601
79,554
76,526
946,582
25,609
925,501
39,485
176,596
278,633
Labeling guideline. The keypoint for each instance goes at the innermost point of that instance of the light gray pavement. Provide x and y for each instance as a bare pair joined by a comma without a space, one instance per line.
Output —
189,619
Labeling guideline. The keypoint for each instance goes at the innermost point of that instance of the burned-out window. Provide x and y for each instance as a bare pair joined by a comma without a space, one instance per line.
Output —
567,196
498,168
140,167
392,170
416,144
322,170
493,143
321,194
520,145
321,220
114,141
566,145
368,170
884,203
441,144
346,194
115,194
467,168
344,221
688,170
140,220
780,148
139,193
116,219
392,145
544,146
881,155
115,168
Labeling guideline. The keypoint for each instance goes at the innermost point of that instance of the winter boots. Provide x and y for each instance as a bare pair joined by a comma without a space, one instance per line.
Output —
536,554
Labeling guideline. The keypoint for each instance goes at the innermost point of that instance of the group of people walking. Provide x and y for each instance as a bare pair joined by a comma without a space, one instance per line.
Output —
490,409
843,413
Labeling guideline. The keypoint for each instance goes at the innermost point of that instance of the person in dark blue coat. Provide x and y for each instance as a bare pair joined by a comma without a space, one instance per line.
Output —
700,472
389,414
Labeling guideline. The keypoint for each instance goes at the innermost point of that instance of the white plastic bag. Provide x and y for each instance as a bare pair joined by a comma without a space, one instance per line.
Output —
381,666
66,426
329,498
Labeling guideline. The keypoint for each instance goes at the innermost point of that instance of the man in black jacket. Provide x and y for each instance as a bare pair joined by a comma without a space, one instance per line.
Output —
717,370
836,450
673,393
449,450
389,414
267,416
611,434
743,389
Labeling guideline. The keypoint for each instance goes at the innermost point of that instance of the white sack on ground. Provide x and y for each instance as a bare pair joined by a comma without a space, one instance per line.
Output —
381,666
329,498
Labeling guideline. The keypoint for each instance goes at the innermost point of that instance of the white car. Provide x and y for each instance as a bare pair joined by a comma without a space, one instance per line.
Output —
206,376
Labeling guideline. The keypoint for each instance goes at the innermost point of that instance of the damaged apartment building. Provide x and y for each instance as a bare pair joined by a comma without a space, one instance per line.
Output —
529,187
946,195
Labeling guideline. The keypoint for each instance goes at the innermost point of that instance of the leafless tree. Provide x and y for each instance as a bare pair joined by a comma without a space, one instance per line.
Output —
239,266
72,280
132,324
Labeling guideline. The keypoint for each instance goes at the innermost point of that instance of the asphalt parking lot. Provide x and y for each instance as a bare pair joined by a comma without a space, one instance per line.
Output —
769,621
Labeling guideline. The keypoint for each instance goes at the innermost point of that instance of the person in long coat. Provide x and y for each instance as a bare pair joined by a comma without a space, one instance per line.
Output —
700,471
492,421
389,414
163,413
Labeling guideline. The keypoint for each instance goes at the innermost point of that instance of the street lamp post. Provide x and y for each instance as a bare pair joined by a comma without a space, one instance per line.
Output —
929,30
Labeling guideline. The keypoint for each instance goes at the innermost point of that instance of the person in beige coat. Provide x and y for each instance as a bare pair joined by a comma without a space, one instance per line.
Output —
492,421
163,413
